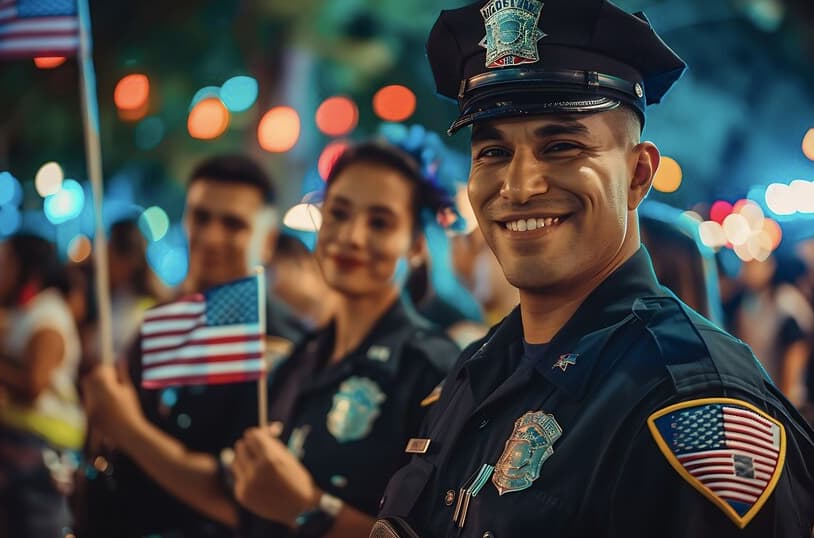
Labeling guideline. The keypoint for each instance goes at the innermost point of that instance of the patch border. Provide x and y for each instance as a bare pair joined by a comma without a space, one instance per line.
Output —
740,521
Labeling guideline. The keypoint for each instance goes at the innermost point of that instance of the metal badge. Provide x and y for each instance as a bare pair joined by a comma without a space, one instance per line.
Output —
417,445
565,361
378,353
355,408
511,32
530,444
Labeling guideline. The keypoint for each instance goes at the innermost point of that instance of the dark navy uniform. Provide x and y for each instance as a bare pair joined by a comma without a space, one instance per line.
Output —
349,421
564,440
640,417
121,500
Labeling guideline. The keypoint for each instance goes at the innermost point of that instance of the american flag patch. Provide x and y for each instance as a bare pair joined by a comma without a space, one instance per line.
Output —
206,338
729,450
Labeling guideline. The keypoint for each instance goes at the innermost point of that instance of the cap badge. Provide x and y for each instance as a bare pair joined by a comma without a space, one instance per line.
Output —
511,32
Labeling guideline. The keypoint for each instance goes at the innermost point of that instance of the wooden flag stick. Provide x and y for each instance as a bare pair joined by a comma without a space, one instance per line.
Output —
93,155
262,384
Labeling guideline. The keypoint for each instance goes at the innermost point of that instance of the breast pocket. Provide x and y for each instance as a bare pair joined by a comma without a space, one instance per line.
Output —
405,487
526,513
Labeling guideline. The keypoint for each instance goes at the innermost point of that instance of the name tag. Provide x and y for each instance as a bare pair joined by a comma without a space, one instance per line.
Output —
417,446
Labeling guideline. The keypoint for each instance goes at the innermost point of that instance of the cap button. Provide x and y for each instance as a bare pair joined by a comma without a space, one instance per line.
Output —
639,90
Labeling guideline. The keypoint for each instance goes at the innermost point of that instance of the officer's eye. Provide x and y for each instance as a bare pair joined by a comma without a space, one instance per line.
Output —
561,147
379,223
337,213
492,152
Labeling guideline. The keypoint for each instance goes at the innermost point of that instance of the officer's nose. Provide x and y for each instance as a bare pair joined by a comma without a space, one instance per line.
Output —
352,232
525,177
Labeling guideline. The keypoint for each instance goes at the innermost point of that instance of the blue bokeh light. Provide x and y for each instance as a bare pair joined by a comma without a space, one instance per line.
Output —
239,93
203,93
10,220
65,204
11,192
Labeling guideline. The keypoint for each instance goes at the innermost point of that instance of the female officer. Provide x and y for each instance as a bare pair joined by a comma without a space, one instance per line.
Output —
348,399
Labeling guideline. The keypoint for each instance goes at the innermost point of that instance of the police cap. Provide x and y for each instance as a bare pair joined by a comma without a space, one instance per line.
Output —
503,58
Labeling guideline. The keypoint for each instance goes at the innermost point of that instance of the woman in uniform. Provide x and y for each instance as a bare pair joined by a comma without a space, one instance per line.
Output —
347,401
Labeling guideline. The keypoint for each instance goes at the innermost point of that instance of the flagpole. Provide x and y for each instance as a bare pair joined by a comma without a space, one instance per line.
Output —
93,155
262,388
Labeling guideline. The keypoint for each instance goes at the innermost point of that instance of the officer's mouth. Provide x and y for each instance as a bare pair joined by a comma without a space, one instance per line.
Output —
534,224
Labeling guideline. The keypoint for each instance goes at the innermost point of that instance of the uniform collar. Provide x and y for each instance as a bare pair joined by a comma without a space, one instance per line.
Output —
575,349
380,350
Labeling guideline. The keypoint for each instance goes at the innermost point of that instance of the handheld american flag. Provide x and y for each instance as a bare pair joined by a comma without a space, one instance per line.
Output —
31,28
213,337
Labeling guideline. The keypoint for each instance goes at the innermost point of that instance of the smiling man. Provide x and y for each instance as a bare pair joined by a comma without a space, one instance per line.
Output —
602,406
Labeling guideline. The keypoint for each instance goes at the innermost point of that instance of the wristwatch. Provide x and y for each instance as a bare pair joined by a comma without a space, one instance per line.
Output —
317,522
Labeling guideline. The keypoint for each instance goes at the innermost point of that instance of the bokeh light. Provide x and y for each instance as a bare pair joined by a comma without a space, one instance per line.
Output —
712,234
9,188
132,92
149,133
808,144
79,248
303,217
329,156
239,93
394,103
719,211
752,213
49,178
204,93
279,129
49,62
802,192
736,228
208,119
668,176
154,223
10,220
465,209
65,204
779,199
774,231
337,116
759,246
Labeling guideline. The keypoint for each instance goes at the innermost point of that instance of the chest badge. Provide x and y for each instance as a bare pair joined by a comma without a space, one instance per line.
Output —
511,32
355,408
566,360
530,444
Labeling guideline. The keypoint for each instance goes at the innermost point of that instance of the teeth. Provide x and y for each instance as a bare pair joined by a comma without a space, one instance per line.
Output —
522,225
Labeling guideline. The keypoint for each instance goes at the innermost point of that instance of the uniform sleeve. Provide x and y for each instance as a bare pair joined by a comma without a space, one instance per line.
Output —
651,498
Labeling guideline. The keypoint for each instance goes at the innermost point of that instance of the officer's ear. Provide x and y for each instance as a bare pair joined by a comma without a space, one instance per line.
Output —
418,250
646,163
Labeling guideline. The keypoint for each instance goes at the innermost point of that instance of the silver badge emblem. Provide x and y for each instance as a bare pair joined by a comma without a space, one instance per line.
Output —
511,32
530,444
355,408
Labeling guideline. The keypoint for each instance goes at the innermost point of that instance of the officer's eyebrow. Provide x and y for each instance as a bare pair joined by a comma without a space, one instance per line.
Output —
482,133
565,127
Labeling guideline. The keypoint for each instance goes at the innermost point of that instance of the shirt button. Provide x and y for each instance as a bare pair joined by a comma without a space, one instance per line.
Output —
449,498
488,534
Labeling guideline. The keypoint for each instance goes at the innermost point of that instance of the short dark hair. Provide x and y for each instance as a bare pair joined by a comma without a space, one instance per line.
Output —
235,169
424,195
37,259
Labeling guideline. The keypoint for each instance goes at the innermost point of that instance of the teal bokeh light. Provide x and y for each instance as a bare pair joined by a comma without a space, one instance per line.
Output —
65,204
10,220
10,190
149,132
154,223
239,93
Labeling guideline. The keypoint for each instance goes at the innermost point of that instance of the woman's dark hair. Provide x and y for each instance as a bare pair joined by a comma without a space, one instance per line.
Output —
425,196
37,261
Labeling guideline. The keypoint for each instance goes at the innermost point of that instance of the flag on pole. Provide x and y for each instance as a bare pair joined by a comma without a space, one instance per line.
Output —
207,338
30,28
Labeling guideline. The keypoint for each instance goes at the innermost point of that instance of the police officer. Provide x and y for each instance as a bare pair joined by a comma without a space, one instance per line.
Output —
230,226
349,397
602,406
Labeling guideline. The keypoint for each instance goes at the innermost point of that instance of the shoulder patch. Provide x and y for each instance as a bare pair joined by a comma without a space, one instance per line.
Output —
729,450
433,396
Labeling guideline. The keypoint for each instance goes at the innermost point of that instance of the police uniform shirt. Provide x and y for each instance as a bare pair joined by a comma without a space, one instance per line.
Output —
123,501
640,418
349,421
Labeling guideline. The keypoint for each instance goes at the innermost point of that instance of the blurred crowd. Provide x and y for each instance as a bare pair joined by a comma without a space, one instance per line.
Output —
49,328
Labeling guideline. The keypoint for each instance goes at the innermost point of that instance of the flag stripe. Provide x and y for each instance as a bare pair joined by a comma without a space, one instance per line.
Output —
43,29
43,24
204,334
172,326
759,435
698,455
205,350
180,308
233,357
218,379
748,416
192,370
752,449
705,477
757,443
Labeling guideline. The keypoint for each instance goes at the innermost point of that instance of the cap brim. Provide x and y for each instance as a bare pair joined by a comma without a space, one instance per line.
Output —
532,104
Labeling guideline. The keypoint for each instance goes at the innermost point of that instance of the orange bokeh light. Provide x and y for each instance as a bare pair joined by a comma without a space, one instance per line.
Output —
773,230
132,92
337,116
329,156
394,103
808,144
49,62
279,129
208,119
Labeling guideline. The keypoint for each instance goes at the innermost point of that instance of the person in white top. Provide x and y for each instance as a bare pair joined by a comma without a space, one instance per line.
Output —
42,425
